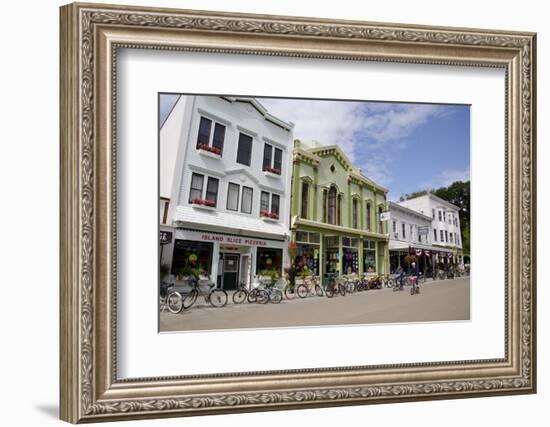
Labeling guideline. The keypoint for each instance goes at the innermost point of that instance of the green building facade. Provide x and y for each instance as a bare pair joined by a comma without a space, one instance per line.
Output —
336,215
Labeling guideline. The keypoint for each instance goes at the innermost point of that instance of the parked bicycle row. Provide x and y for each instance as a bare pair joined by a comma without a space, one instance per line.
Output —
264,290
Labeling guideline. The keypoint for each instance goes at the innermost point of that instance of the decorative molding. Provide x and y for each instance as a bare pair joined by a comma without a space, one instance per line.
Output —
90,18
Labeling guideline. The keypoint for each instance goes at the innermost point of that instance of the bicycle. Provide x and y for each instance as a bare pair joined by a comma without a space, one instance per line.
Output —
350,282
335,287
388,281
362,284
262,293
241,294
212,295
440,274
374,282
169,298
415,287
309,288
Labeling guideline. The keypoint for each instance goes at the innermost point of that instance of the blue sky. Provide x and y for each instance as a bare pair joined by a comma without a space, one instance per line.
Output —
404,147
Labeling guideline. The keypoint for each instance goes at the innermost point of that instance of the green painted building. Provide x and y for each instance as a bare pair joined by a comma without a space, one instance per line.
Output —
336,219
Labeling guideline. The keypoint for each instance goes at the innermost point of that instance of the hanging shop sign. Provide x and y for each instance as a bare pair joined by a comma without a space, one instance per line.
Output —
385,216
418,252
427,252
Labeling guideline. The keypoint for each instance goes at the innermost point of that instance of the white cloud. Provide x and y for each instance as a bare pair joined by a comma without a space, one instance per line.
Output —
390,122
329,122
450,176
447,177
370,133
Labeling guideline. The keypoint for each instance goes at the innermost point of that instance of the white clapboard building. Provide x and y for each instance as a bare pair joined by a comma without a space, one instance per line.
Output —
409,238
444,234
225,168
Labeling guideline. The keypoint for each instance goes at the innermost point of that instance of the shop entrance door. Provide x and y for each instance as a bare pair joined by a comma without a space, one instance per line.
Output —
230,273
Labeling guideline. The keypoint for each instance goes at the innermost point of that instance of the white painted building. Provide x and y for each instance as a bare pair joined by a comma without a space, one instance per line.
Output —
408,227
225,168
445,235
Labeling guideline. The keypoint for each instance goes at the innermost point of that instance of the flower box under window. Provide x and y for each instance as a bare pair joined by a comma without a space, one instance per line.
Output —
203,203
272,170
269,215
209,150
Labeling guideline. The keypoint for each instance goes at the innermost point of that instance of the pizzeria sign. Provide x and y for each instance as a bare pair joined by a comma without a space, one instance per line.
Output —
234,240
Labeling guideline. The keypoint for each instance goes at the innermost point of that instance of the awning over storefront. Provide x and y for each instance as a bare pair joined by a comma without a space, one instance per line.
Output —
405,246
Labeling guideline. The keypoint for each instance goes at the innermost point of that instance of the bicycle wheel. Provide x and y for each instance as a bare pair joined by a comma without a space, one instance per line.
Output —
302,291
174,302
412,290
342,290
318,291
252,295
217,298
276,296
240,296
289,292
190,298
329,291
262,296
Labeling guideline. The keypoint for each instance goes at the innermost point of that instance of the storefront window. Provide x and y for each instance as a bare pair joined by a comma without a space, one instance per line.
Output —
350,260
192,258
269,262
332,254
369,256
307,258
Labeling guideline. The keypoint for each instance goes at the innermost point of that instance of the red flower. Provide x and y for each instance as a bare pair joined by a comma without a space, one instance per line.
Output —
215,150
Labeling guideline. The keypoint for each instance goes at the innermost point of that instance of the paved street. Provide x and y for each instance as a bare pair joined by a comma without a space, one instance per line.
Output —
439,300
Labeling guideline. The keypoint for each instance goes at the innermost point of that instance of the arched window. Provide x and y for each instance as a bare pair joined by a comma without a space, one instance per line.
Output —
369,217
325,205
332,214
305,196
380,223
355,214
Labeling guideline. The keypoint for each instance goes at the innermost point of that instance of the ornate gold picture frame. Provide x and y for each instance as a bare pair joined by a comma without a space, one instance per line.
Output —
90,388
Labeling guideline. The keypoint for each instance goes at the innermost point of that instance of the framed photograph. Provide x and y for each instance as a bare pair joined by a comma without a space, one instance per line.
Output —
267,212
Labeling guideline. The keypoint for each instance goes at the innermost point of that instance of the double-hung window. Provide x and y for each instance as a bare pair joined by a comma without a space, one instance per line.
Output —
244,149
264,201
441,235
439,215
435,235
208,140
212,190
197,181
197,187
273,159
233,191
246,200
269,205
233,199
403,231
446,237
